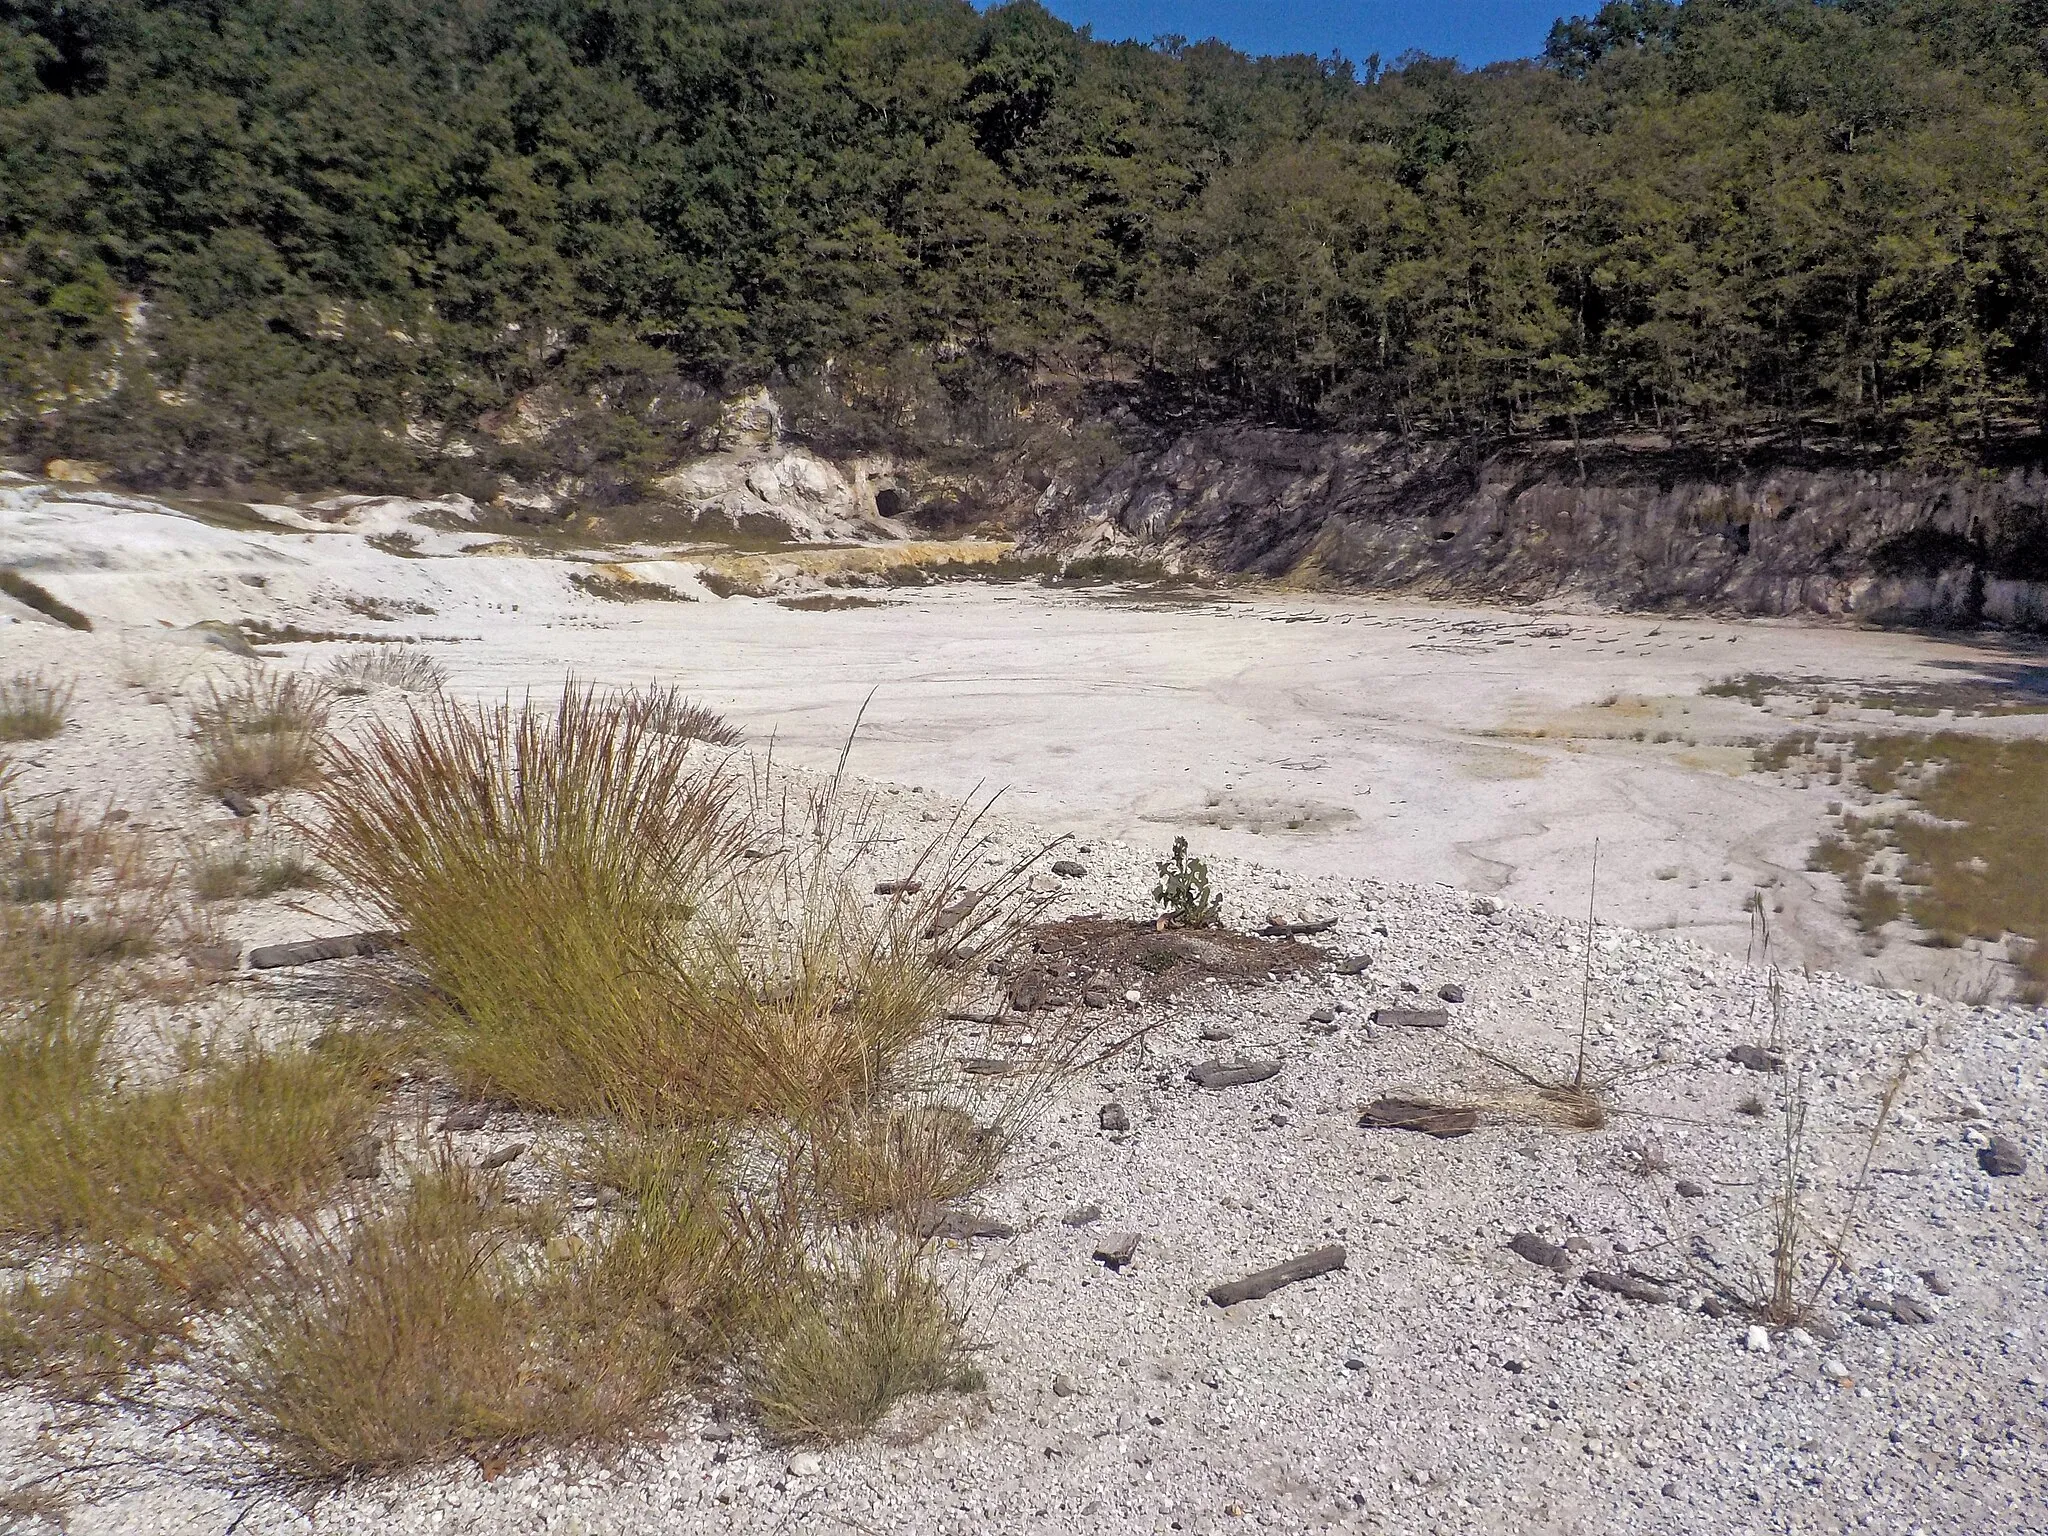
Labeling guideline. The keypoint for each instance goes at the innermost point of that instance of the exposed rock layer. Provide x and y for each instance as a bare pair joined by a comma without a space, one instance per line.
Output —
1640,529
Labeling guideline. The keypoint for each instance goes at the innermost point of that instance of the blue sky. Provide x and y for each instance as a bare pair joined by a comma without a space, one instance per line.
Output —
1471,31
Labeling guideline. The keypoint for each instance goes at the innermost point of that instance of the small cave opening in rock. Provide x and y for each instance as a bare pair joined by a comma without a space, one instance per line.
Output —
889,502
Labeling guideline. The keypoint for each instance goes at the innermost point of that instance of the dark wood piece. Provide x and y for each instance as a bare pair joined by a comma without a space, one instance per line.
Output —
1415,1115
1626,1285
1266,1281
345,946
1412,1018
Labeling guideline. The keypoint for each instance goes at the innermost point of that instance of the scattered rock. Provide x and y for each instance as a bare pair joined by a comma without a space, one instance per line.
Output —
503,1157
966,1227
1232,1074
465,1117
239,803
1546,1255
1353,965
1578,1244
1063,1386
716,1434
1870,1318
1451,992
987,1066
219,633
1265,1282
1938,1282
1082,1215
1415,1115
1291,924
1323,1016
1217,1032
1412,1018
1068,869
1905,1309
1113,1118
1756,1058
363,1158
1095,995
1690,1190
1833,1368
1030,992
1714,1307
2003,1159
1758,1340
953,914
805,1464
898,887
1626,1285
1116,1249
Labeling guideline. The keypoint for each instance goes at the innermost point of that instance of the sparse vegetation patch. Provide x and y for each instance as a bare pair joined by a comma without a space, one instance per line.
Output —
32,707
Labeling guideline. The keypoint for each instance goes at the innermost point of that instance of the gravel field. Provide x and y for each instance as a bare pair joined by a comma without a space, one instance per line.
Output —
1437,1381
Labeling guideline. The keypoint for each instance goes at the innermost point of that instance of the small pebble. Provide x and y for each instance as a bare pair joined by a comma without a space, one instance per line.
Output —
1758,1340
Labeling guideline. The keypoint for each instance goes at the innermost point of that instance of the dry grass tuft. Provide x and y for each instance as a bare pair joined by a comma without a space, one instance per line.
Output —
32,708
33,1502
140,1192
249,869
453,1322
667,713
901,1161
855,1333
61,853
262,733
393,665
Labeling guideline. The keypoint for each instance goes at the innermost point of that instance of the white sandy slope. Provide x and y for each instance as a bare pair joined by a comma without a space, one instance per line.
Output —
1325,735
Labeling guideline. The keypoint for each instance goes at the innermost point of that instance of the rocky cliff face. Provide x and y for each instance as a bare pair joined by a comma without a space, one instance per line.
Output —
1632,527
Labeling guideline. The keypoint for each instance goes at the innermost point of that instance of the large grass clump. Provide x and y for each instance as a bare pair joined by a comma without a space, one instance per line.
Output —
573,882
539,863
675,973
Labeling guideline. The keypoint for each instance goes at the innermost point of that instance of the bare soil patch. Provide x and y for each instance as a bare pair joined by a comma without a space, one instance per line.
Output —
1094,961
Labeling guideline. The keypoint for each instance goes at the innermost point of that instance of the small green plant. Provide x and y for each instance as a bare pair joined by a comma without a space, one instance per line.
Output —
32,708
1184,892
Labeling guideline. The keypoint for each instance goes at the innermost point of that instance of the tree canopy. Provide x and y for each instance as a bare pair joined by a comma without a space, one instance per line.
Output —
321,241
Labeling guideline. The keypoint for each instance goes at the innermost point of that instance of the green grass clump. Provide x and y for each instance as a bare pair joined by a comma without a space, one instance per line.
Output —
539,863
454,1323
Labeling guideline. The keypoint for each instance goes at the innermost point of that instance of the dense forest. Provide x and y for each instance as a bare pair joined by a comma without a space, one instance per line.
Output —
397,242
